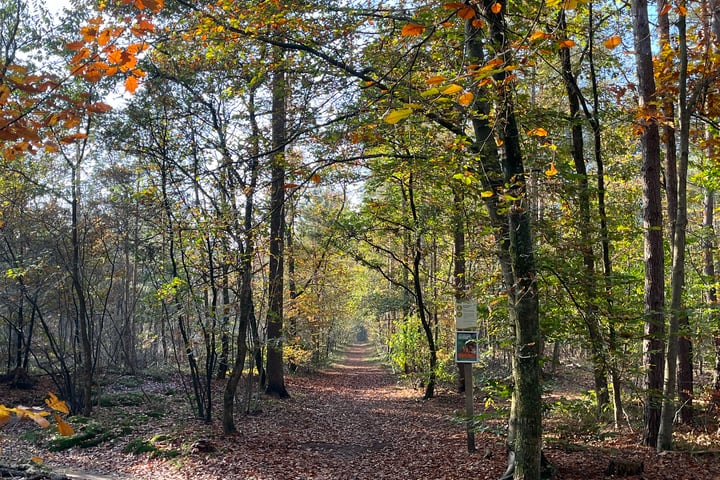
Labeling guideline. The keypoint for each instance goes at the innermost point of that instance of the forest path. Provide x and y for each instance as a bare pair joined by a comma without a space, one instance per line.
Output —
354,421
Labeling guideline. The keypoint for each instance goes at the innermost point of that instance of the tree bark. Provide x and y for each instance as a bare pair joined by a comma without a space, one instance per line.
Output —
677,281
516,247
654,300
275,375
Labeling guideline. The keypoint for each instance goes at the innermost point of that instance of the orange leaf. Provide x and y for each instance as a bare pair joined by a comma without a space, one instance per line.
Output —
567,44
538,132
454,5
67,139
104,37
4,94
115,57
316,178
466,13
131,84
154,5
466,98
477,23
98,107
436,80
63,427
412,30
666,9
682,10
74,46
538,35
496,8
552,171
613,42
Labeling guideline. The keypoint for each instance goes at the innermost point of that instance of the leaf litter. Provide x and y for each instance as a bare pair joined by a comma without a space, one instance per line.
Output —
353,420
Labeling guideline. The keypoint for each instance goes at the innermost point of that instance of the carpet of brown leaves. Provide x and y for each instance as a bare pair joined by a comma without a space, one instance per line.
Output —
352,421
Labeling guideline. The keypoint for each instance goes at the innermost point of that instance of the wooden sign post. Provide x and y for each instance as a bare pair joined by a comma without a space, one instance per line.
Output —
466,353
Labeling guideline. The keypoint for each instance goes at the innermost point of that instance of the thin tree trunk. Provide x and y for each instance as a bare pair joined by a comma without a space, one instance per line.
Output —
82,312
419,295
590,311
678,254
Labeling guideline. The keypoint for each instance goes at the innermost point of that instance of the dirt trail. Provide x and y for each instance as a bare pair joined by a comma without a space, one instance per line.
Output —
354,421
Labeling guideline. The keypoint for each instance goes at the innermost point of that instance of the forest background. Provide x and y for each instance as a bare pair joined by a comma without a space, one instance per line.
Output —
234,189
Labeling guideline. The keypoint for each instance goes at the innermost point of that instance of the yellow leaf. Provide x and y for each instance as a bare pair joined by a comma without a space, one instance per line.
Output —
499,142
486,194
538,132
570,4
466,98
412,30
36,417
452,89
56,404
613,42
63,427
430,92
36,459
552,171
436,80
496,8
396,115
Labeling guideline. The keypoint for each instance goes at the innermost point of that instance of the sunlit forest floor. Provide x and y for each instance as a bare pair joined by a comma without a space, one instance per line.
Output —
353,420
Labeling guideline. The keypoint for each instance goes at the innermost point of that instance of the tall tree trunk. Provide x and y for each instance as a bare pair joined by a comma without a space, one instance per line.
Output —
590,311
654,300
525,433
602,213
83,318
275,375
246,314
677,313
709,226
419,295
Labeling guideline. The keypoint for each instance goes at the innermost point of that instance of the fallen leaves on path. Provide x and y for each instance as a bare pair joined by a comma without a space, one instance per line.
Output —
354,421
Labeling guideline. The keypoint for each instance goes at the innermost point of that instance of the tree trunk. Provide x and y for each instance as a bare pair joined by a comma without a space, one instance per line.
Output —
678,253
419,295
525,433
590,311
82,320
654,300
275,376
